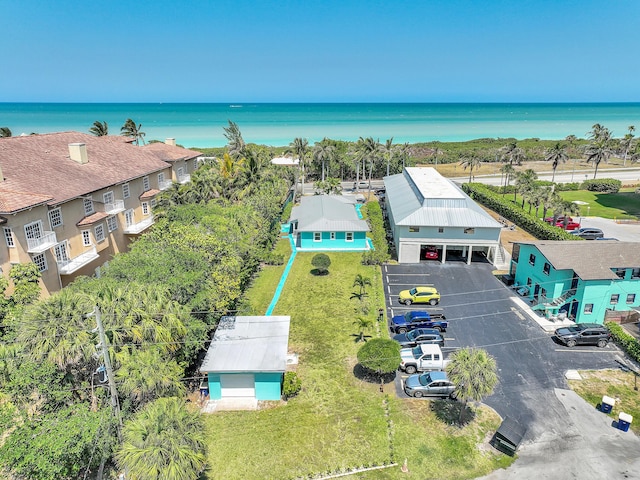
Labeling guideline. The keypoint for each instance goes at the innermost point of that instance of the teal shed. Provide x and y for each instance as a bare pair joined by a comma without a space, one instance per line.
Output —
247,358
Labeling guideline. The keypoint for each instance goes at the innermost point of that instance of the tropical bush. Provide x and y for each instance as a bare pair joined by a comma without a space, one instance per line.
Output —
380,252
291,385
606,185
628,342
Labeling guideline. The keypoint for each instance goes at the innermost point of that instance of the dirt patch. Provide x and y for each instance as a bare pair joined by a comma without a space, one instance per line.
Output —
507,236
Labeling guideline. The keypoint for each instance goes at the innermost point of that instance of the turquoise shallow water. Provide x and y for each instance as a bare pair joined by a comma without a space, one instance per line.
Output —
201,125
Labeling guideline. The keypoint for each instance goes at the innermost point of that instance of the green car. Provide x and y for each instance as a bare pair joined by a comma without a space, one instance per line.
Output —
420,295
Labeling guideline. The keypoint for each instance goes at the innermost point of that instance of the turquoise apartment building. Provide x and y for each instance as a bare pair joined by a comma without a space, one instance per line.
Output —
588,281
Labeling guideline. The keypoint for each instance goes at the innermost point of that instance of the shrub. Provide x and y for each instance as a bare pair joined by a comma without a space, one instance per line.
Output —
564,187
380,355
321,261
515,214
607,185
273,258
286,212
380,253
628,343
291,385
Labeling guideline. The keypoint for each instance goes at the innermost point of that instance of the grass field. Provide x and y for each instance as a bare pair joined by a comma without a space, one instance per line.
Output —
615,384
341,421
624,204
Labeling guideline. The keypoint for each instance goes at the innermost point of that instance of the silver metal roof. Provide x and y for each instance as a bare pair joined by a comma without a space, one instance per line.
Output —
422,197
249,344
328,213
590,259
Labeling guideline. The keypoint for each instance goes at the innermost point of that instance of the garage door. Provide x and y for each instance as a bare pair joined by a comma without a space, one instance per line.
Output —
409,253
237,385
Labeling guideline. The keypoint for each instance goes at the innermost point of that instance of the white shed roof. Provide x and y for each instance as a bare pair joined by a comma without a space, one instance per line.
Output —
249,344
328,213
423,197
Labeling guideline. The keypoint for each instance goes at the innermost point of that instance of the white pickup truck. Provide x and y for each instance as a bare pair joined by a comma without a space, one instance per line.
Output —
422,358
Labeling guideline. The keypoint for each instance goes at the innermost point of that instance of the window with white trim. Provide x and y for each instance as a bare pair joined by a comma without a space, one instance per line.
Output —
88,206
631,297
614,298
40,261
61,252
86,238
317,236
160,179
588,308
180,172
8,237
348,237
128,217
145,208
55,218
469,231
98,230
125,190
112,223
145,183
332,235
33,230
153,202
108,197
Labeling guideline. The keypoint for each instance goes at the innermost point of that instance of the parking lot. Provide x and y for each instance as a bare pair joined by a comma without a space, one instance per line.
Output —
481,313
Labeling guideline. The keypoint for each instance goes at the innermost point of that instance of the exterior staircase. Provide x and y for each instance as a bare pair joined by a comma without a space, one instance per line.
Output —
544,303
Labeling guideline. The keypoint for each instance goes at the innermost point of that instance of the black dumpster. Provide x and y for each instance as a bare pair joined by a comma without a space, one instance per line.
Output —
508,436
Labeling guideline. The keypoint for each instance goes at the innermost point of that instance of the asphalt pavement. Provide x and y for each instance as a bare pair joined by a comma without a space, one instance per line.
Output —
531,367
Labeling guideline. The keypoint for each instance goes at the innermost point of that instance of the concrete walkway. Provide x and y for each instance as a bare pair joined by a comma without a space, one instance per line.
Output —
578,442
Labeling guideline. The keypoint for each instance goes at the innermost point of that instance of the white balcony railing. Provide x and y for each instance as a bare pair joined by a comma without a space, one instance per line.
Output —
164,185
139,227
40,244
67,267
116,207
184,178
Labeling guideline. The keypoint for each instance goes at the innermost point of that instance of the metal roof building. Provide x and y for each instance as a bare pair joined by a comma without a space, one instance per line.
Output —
425,209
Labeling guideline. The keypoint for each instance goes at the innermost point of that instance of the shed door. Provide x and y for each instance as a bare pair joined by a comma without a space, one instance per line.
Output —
238,385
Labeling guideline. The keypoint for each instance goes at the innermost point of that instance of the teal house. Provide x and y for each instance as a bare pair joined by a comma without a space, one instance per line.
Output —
586,281
328,222
247,358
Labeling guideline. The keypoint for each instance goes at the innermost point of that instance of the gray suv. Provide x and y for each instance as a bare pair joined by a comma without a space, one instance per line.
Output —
588,233
584,334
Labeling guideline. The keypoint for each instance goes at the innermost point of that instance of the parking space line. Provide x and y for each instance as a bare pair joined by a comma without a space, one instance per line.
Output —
407,274
573,350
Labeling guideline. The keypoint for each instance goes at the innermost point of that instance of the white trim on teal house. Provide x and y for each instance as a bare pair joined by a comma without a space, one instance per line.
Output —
424,208
588,280
328,223
247,358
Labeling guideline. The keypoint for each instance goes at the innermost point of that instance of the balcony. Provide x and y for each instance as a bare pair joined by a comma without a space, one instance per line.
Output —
184,178
115,207
40,244
67,267
164,185
136,228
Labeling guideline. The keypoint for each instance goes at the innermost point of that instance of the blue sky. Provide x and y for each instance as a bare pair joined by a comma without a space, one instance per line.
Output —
320,51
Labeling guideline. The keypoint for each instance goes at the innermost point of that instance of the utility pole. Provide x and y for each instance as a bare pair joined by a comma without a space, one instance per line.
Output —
104,346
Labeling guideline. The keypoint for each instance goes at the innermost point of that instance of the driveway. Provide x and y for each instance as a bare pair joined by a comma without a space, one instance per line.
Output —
531,366
625,232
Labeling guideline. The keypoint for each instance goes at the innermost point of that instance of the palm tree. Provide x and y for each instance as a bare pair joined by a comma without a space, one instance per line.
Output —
236,144
362,283
627,143
388,152
324,152
556,155
507,170
597,151
363,325
165,441
404,153
300,146
133,130
513,154
598,131
99,129
5,132
471,163
474,372
367,149
524,183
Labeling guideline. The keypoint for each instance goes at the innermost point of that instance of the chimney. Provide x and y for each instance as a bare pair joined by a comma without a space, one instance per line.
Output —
78,153
170,141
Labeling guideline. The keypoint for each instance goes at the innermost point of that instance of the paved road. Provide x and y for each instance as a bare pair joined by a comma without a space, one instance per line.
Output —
531,369
626,175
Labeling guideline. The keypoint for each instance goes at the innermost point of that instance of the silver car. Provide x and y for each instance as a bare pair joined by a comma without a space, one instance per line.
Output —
430,384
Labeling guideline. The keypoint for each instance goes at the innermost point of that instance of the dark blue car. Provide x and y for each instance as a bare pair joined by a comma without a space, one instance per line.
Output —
418,319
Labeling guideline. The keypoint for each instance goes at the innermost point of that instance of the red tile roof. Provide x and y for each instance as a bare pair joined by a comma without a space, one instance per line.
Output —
93,218
39,165
169,153
149,194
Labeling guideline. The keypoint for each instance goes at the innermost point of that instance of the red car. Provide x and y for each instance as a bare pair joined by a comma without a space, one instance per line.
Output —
431,253
571,225
560,219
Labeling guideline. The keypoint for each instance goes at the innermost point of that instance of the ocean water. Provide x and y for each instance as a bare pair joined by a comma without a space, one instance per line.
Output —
277,124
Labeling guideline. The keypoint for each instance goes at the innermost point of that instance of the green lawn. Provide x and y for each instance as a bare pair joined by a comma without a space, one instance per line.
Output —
624,204
339,421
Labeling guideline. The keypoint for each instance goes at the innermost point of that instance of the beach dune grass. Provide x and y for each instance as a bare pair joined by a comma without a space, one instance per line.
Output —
340,420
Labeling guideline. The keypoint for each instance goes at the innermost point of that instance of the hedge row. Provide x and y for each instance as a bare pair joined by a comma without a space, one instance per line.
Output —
380,254
607,185
628,343
536,227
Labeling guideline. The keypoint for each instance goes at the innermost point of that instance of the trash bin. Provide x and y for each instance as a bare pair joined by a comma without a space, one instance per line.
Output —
624,421
607,404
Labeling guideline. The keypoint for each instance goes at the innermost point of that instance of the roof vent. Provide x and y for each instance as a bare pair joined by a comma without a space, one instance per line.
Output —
78,153
170,141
